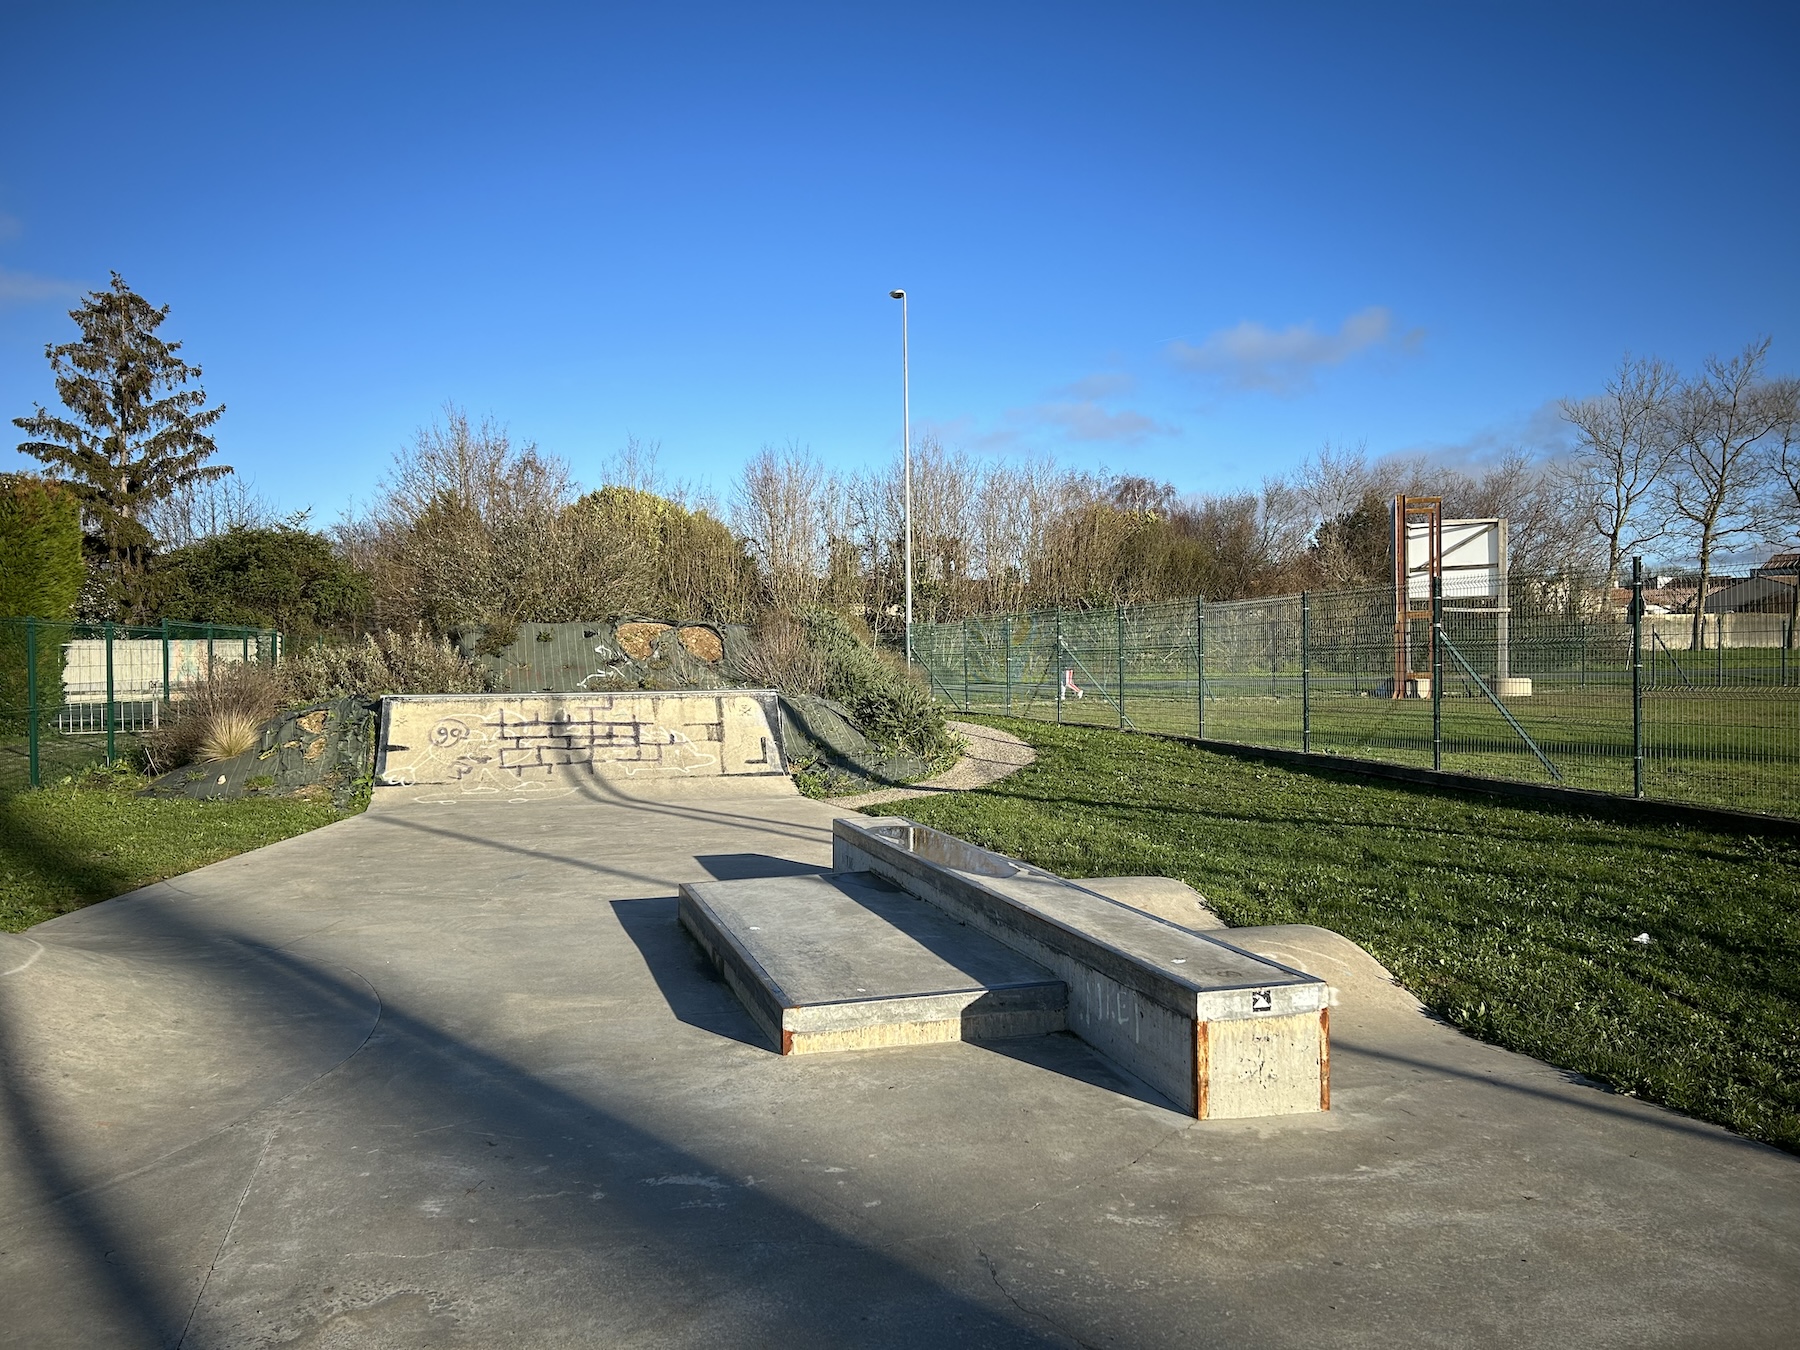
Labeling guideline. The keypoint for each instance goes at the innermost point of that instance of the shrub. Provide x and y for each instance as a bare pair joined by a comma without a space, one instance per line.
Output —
214,714
280,577
382,663
780,657
889,705
40,576
226,735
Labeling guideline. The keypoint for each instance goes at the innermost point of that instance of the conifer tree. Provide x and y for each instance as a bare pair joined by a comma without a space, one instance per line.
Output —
134,433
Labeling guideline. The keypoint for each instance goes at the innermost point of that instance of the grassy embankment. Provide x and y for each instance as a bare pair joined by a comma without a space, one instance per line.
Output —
1514,921
92,838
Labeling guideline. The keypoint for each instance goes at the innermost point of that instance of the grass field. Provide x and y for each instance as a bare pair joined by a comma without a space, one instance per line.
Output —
1736,745
90,839
1516,922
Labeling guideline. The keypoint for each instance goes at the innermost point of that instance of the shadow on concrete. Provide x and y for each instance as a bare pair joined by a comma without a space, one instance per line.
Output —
142,1309
465,837
693,989
749,866
1065,1053
678,1242
1588,1096
754,814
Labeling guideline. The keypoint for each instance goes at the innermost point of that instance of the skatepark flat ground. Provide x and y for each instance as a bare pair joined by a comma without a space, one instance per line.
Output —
452,1075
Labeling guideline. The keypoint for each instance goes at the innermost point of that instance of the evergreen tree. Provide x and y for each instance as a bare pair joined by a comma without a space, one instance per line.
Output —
134,434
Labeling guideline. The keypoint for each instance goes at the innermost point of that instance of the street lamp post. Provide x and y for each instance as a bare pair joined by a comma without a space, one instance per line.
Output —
906,462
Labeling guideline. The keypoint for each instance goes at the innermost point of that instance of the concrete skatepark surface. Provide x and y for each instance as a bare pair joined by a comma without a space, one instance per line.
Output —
450,1074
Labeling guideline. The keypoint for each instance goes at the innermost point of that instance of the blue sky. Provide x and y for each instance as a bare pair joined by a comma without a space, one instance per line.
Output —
1188,241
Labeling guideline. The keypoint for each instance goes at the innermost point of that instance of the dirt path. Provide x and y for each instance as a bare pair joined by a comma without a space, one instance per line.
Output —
991,756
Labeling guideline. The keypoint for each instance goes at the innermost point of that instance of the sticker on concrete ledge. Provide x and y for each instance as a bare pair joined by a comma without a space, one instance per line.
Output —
1262,1000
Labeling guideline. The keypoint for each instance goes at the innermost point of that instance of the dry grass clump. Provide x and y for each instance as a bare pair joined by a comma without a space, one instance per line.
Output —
226,708
781,658
387,662
226,735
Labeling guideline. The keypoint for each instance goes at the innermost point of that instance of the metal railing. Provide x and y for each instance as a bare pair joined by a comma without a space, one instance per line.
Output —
1563,682
76,694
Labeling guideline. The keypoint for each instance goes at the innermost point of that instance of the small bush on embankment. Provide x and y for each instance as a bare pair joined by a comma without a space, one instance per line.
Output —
388,662
1516,922
216,717
853,719
892,709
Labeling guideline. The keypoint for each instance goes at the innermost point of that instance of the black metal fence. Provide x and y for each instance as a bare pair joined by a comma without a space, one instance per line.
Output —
74,695
1554,681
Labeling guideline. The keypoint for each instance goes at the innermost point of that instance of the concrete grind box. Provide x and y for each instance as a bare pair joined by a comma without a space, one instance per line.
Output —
918,937
1222,1033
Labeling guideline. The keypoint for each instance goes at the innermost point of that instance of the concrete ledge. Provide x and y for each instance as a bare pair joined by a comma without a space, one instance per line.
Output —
1220,1032
852,963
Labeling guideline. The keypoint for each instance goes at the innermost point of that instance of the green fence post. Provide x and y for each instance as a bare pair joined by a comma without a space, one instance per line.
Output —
1637,677
209,651
1306,671
110,707
1008,655
1437,672
246,647
1121,698
965,665
31,704
165,642
1056,667
1199,668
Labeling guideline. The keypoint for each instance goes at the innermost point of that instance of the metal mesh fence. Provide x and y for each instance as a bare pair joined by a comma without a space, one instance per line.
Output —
73,695
1556,682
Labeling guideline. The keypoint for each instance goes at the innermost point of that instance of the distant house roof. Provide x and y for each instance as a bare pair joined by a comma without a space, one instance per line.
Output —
1788,563
1759,593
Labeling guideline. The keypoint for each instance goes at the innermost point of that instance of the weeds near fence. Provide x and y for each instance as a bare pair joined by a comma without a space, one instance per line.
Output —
388,662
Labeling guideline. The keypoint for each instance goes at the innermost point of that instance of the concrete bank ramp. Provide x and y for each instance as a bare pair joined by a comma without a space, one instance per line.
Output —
446,748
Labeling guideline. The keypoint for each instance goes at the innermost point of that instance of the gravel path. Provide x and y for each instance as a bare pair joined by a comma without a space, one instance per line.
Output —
991,756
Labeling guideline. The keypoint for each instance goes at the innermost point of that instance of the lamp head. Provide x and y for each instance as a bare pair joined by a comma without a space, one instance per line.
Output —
896,295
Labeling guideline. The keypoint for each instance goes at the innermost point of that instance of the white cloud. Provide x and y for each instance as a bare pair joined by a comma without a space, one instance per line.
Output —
1086,420
24,288
1077,418
1282,361
1108,385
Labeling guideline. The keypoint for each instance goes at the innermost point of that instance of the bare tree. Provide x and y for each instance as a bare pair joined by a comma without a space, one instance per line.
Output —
1627,439
1784,513
466,529
779,507
201,510
1723,420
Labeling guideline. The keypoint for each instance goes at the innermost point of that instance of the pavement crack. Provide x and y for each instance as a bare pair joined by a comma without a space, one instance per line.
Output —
230,1228
241,1123
994,1275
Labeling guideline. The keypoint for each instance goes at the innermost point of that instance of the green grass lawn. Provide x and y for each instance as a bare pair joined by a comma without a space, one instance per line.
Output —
1735,746
85,840
1513,921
